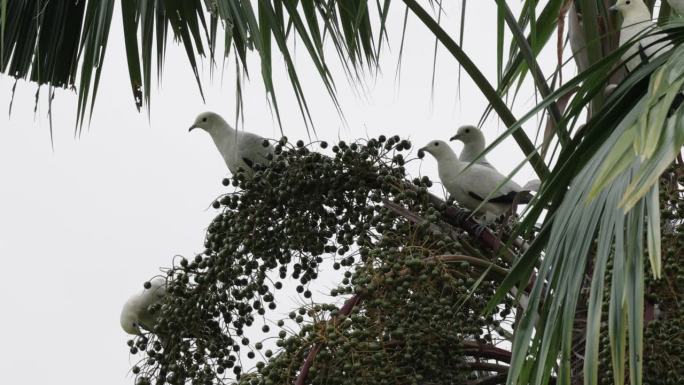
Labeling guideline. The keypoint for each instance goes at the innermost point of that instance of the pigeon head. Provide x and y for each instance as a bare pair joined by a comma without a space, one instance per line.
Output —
210,122
439,149
129,321
139,311
469,135
626,7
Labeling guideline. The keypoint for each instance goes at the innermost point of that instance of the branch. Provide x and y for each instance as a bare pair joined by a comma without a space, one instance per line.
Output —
473,349
477,349
492,380
486,366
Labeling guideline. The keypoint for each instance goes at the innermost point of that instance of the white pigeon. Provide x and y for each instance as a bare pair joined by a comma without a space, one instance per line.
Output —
239,149
137,311
473,145
471,186
677,6
636,18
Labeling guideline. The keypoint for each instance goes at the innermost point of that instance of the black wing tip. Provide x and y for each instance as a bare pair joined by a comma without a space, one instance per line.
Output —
510,198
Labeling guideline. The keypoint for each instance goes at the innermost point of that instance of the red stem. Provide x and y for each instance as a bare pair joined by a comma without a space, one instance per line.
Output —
345,310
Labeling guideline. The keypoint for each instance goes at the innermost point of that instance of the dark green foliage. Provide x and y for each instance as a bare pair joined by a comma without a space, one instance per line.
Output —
35,56
664,336
48,41
664,313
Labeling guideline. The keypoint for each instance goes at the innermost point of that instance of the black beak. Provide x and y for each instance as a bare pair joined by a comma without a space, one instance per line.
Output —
455,137
191,128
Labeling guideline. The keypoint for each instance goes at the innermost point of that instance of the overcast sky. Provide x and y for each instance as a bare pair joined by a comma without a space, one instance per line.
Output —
81,227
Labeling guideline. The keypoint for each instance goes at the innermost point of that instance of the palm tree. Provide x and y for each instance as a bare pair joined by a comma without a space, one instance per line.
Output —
599,205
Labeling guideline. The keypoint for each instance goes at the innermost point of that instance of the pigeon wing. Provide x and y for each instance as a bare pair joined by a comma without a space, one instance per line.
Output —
485,163
251,149
248,162
480,181
504,199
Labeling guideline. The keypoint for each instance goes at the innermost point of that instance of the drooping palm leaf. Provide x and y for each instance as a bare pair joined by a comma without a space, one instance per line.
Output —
49,42
535,69
576,217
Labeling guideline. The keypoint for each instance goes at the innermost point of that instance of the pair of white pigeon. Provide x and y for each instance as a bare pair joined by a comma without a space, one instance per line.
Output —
472,181
473,184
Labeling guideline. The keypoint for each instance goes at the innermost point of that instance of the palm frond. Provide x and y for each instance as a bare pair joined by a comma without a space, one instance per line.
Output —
596,197
49,42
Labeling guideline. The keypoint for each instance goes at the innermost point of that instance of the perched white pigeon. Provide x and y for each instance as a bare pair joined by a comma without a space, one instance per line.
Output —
239,149
473,145
136,312
636,18
471,186
677,6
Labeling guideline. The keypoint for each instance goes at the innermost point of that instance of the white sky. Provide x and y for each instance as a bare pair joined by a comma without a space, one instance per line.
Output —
81,227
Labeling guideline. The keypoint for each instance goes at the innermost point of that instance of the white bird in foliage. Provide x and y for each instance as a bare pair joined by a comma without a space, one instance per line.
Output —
677,6
473,145
140,310
239,149
470,187
578,44
636,19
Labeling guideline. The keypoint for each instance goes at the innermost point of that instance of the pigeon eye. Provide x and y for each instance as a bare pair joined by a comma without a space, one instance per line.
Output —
627,2
467,130
437,144
204,119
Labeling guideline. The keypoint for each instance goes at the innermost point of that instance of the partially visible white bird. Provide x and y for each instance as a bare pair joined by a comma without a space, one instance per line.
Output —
138,311
473,145
677,6
578,44
239,149
471,186
636,18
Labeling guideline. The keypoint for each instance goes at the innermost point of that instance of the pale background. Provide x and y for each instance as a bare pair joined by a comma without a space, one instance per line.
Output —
81,227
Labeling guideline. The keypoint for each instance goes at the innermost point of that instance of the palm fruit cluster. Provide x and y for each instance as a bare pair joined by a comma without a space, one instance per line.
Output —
664,335
421,286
